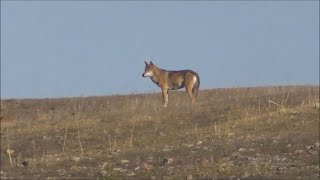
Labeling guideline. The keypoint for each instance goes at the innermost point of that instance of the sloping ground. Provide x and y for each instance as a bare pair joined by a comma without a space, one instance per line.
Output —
246,133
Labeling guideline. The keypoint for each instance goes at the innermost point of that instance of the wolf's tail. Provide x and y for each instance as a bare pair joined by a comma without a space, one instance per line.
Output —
196,86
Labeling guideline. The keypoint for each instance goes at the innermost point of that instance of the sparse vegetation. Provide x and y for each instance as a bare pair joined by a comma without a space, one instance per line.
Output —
246,133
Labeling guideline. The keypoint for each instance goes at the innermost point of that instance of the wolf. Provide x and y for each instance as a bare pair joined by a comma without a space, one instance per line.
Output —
173,80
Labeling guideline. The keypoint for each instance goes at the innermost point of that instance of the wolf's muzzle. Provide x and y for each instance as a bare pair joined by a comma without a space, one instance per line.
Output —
143,75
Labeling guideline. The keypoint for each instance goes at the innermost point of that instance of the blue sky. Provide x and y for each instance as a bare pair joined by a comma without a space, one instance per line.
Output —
83,48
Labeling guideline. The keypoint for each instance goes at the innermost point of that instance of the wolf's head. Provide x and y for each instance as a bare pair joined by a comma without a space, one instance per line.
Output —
149,69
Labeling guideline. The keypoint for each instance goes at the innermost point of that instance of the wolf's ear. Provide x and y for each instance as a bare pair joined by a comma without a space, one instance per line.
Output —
151,63
146,63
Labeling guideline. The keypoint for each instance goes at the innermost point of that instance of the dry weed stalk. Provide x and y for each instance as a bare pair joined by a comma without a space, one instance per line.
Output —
134,105
43,154
196,131
285,101
19,156
45,150
280,108
65,137
227,128
313,101
38,113
77,123
246,112
34,154
259,107
269,108
59,117
217,129
9,151
110,143
112,146
131,139
101,106
115,143
309,97
51,112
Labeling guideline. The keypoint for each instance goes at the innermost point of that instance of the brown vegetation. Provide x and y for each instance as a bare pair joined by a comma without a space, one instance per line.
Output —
263,132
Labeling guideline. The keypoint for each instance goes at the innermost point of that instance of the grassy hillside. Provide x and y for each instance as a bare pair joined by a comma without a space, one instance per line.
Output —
246,133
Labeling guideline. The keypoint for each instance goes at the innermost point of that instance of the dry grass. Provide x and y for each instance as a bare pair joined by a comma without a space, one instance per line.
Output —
264,132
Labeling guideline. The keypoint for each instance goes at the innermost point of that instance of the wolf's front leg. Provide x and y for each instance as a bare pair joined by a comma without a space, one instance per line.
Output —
165,97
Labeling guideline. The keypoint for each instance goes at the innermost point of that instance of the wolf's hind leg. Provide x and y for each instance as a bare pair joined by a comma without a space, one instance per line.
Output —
189,90
190,85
